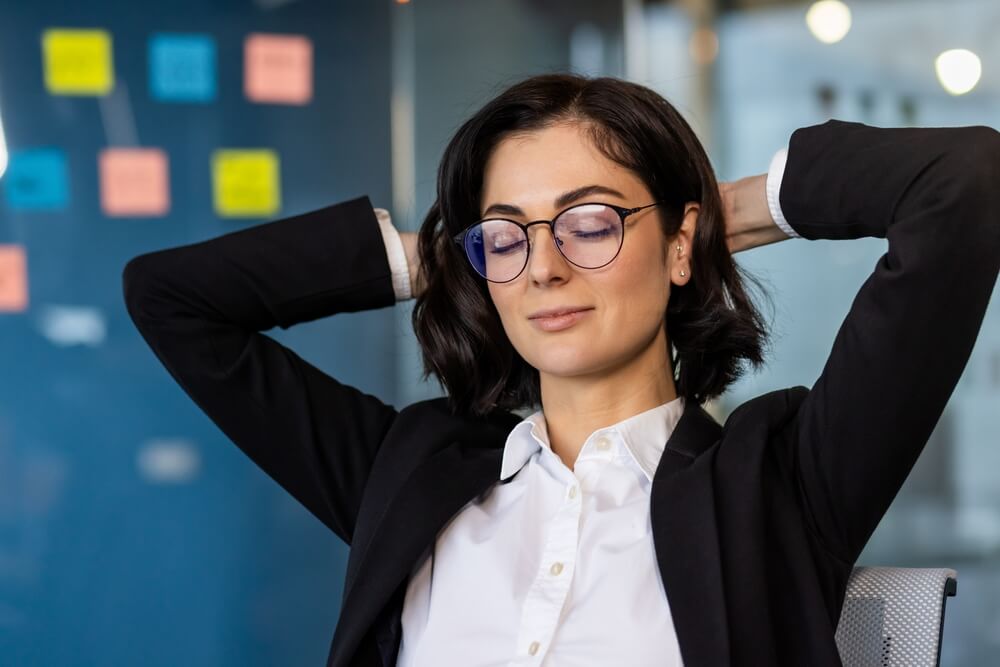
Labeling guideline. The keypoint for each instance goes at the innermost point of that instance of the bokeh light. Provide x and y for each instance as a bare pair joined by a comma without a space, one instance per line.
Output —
829,20
958,70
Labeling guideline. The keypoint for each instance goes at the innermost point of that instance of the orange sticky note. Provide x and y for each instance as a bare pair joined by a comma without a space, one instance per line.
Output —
13,278
134,182
278,68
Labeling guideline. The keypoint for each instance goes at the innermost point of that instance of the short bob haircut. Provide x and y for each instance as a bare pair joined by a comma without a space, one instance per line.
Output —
712,324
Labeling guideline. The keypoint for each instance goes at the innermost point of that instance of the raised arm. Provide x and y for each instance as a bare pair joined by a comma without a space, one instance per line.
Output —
202,308
933,193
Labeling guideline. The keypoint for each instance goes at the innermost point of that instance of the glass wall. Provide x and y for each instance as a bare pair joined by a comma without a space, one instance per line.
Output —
768,74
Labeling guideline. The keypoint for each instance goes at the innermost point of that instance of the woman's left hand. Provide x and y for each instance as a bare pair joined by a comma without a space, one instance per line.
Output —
748,219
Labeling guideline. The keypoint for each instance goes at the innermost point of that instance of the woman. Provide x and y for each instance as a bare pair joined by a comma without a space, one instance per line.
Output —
619,523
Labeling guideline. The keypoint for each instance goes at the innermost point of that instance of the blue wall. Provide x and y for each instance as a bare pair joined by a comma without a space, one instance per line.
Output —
100,564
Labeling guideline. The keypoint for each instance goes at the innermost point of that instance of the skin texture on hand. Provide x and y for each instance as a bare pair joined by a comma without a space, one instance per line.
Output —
748,219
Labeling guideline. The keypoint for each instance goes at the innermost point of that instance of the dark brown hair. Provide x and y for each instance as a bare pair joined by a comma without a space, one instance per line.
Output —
712,324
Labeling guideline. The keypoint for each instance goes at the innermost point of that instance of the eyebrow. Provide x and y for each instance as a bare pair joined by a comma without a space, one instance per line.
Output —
561,201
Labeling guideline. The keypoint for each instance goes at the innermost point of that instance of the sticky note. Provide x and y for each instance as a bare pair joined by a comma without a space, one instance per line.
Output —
36,179
134,182
278,68
13,278
246,182
182,67
77,62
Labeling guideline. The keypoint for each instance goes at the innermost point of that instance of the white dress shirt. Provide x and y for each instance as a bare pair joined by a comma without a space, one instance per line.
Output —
555,568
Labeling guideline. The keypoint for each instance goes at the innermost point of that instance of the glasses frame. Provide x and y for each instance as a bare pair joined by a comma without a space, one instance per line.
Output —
622,212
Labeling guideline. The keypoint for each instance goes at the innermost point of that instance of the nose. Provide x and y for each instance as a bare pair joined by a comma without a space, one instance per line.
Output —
545,262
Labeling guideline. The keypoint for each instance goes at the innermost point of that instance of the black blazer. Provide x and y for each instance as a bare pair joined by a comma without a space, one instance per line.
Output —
757,523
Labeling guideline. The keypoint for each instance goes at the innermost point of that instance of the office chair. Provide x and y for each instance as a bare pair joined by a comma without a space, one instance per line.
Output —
894,616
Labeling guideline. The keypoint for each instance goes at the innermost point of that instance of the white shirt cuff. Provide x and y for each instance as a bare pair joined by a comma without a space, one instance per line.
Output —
397,255
773,187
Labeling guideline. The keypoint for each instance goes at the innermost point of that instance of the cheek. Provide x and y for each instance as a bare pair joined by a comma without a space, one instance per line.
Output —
519,331
505,307
638,294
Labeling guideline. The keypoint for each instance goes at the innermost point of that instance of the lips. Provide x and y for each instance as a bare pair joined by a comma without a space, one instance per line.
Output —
552,312
554,323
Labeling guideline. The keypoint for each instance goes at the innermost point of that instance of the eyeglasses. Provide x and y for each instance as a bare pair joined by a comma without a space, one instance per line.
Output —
588,235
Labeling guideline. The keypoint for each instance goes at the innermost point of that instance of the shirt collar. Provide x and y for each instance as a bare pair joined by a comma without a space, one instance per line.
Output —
645,436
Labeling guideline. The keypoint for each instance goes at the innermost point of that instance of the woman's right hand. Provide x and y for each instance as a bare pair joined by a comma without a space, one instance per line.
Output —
417,282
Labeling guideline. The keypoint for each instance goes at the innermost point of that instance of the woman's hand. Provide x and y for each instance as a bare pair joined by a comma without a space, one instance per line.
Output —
748,219
417,282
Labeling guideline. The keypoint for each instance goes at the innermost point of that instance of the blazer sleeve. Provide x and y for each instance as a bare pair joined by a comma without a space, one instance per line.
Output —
201,308
934,193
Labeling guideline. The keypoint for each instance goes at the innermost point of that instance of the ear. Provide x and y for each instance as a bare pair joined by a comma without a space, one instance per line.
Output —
680,260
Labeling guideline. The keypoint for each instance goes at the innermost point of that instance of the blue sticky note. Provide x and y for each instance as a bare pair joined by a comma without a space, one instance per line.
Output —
36,179
182,67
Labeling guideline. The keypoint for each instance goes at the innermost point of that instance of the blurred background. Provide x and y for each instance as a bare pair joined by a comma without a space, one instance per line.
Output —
131,530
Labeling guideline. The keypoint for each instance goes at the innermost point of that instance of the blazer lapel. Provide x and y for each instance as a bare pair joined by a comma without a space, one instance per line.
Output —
434,493
683,522
682,513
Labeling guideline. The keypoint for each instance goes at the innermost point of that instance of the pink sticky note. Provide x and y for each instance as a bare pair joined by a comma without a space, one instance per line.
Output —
278,68
134,182
13,278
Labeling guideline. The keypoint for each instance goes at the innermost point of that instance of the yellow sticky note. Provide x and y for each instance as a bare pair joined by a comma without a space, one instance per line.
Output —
134,182
278,68
246,182
77,62
13,278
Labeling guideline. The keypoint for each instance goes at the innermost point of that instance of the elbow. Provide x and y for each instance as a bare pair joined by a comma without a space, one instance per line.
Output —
972,164
986,167
981,149
138,279
978,157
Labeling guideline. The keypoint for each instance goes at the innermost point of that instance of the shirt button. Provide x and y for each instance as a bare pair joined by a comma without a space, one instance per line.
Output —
572,491
556,568
603,443
533,649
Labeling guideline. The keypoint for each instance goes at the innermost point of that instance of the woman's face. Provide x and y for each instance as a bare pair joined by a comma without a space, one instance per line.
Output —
626,299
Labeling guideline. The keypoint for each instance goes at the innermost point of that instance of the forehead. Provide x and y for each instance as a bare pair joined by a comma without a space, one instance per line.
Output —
531,170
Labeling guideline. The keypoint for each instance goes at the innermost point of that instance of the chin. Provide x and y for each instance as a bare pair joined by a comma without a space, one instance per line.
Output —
561,359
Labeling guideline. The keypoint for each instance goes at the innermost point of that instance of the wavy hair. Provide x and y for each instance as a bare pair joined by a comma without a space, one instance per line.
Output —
712,324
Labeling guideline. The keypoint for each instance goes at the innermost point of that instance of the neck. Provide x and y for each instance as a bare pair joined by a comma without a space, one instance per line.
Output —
576,406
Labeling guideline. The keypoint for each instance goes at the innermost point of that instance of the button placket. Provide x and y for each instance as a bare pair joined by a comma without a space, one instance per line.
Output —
548,593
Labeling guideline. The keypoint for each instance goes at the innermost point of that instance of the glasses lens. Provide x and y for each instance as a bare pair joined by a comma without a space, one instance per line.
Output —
589,235
497,249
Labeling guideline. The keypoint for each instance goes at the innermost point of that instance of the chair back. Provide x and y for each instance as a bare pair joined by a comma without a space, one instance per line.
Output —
894,616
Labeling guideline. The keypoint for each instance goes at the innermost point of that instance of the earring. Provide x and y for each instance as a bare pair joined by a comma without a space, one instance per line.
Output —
682,273
679,254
